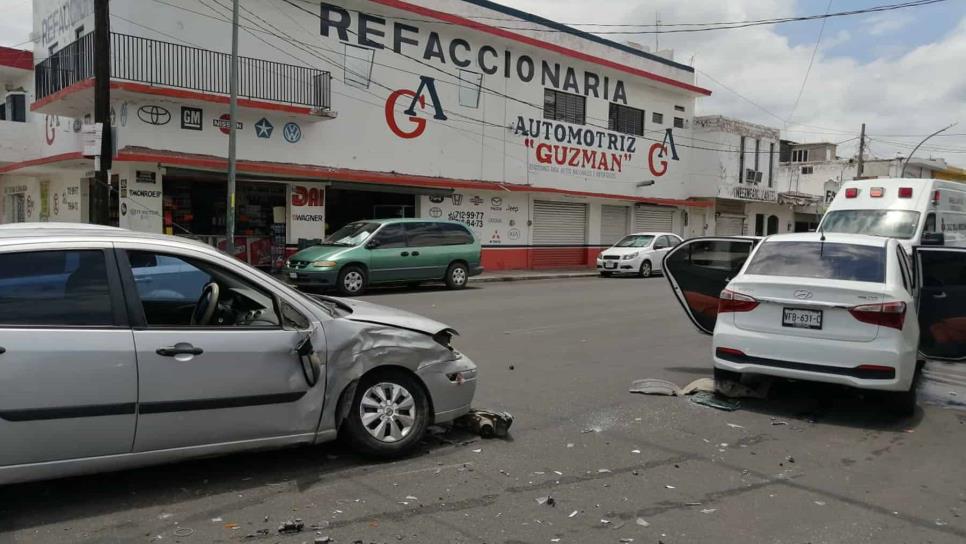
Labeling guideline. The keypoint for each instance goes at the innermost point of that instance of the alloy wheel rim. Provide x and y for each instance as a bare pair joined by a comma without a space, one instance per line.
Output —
388,412
459,276
646,269
353,281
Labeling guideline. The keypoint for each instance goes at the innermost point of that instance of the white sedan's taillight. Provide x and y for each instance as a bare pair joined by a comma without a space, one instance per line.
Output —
886,314
730,301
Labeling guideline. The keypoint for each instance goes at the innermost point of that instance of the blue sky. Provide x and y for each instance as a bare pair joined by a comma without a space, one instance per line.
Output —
906,29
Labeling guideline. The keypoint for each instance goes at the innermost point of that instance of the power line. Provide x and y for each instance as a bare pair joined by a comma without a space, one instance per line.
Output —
811,61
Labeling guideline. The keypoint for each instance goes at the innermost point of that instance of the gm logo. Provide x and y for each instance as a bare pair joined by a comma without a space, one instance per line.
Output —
191,118
436,212
292,133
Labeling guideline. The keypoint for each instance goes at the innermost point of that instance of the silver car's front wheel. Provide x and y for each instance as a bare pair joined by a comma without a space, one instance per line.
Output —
387,412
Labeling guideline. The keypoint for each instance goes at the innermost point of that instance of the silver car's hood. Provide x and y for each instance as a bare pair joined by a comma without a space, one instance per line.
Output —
366,312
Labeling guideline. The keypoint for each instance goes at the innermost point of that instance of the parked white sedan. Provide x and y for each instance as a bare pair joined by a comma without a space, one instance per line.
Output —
641,253
835,308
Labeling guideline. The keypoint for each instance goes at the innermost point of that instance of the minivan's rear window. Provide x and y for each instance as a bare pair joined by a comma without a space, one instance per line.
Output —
824,260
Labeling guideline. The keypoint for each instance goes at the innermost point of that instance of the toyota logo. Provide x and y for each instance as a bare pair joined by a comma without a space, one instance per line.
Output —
154,115
803,294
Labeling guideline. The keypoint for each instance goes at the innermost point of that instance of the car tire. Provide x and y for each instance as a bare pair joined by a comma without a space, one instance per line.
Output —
384,432
457,275
352,281
902,403
722,375
645,270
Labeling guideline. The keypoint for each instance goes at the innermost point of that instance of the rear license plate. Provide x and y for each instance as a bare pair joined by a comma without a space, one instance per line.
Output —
802,319
293,275
610,265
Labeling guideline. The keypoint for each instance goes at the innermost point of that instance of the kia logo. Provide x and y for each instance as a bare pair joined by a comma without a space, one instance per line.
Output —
154,115
803,294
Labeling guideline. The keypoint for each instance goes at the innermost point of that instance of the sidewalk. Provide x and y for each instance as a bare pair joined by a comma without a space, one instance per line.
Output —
521,275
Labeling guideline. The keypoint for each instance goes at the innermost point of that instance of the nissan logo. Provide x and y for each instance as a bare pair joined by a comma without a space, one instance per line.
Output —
154,115
803,294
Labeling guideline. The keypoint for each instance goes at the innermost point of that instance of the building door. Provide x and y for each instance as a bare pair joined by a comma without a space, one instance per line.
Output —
729,225
560,232
653,219
613,224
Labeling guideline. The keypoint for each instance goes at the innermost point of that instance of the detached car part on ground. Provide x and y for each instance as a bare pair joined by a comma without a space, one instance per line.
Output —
846,309
121,349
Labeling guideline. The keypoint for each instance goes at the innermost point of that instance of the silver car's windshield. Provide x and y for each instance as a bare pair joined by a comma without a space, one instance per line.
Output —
635,241
899,224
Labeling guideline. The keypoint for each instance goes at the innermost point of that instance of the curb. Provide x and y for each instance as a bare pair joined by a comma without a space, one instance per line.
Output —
529,277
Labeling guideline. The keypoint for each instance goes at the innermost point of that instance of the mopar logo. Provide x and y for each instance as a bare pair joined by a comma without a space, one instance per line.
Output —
803,294
154,115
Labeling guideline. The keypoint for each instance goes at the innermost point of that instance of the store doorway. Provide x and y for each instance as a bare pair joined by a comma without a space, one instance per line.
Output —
343,206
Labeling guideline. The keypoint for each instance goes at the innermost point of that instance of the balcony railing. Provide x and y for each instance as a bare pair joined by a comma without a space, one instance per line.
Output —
154,62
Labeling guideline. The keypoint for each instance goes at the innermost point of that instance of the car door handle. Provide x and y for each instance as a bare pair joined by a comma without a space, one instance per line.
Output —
179,350
415,254
937,295
405,254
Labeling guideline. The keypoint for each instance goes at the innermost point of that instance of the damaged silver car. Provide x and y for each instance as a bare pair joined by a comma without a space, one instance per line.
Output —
121,349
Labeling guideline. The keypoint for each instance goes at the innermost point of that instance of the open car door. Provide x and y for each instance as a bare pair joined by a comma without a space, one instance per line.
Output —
700,268
941,273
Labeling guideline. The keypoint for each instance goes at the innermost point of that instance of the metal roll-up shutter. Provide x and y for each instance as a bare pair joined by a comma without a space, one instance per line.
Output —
613,224
562,224
729,225
653,219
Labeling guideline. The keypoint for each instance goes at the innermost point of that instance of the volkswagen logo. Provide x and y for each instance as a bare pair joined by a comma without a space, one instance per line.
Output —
154,115
803,294
292,133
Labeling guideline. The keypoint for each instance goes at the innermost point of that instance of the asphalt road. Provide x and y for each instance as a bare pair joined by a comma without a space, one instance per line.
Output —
560,356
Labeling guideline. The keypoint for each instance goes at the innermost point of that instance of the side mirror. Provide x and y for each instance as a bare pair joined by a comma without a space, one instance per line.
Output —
933,239
372,244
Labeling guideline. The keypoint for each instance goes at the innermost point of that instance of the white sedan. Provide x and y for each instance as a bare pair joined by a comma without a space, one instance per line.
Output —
641,253
836,308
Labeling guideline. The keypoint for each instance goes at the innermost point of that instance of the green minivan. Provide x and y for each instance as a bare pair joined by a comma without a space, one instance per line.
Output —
381,251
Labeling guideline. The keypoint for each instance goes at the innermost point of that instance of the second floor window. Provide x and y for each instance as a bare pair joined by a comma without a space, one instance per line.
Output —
800,155
626,119
570,108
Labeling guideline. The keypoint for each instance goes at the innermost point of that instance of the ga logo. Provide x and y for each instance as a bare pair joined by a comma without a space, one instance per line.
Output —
416,125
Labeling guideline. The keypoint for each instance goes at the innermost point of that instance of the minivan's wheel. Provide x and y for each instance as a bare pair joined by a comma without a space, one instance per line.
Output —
457,275
352,280
645,271
389,415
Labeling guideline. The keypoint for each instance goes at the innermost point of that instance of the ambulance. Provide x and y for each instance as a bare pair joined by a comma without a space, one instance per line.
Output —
917,212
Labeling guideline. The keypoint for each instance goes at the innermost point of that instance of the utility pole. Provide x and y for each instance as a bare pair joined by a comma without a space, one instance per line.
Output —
102,99
861,169
657,31
233,123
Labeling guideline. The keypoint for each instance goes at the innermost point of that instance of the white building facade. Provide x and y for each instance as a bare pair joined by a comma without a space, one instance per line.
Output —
549,144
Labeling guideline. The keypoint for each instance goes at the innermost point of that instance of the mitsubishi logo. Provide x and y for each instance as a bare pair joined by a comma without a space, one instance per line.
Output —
803,294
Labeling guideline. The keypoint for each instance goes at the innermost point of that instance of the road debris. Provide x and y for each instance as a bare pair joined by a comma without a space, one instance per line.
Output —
669,487
705,398
709,510
323,540
735,426
486,423
654,387
258,534
573,514
290,527
184,531
642,522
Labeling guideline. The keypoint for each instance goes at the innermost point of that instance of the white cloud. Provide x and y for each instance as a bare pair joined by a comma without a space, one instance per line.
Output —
910,92
884,23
